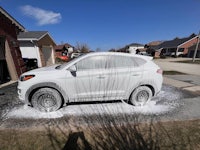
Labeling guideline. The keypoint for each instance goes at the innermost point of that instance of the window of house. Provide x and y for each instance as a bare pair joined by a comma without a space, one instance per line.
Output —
181,49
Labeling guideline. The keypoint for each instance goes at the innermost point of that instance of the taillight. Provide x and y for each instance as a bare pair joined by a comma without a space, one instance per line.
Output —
160,71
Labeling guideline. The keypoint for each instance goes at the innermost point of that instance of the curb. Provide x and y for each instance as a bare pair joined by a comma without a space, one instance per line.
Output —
6,84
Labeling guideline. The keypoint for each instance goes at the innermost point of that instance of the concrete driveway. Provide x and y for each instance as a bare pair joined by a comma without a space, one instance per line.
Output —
190,81
173,64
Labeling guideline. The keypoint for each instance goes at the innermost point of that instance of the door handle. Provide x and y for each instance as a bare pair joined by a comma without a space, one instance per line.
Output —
136,74
101,77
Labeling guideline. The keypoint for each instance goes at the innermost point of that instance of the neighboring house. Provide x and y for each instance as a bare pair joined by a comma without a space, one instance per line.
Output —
132,48
11,62
37,45
192,40
177,46
63,49
152,48
191,51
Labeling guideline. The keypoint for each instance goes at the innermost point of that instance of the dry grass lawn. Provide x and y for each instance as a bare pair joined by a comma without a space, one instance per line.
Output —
181,135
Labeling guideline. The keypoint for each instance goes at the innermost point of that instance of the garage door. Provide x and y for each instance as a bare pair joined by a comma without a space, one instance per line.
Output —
47,53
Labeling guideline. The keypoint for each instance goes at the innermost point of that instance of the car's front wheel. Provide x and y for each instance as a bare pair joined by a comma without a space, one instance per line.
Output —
140,96
46,100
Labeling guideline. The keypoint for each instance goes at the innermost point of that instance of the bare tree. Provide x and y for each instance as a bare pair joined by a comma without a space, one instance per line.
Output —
82,47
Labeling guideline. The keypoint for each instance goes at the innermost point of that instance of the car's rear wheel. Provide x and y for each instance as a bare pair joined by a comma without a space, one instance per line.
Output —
140,96
46,100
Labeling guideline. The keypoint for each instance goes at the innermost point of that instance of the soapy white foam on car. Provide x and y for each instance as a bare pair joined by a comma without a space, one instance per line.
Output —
151,108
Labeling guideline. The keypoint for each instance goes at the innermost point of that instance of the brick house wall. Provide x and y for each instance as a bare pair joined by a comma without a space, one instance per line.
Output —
188,44
9,30
157,54
58,53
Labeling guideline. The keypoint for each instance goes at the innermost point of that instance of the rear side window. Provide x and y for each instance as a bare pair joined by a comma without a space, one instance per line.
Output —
120,62
124,61
139,61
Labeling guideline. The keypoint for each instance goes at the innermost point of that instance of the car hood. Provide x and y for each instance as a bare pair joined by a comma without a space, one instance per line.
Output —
43,69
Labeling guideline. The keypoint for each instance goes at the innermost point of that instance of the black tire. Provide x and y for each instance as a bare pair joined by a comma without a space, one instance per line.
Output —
46,100
140,96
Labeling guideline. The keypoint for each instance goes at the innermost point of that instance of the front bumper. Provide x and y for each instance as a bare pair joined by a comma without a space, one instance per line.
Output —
21,93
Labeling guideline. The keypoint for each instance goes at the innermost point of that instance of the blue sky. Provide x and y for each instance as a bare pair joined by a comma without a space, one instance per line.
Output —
107,24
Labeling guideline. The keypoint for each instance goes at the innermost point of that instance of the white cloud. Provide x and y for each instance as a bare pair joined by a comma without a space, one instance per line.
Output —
43,17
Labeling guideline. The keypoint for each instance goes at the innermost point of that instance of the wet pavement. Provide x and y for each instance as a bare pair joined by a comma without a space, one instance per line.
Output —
192,79
171,104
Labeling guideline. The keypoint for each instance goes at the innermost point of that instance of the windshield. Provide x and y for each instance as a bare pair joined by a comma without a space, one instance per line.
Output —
65,64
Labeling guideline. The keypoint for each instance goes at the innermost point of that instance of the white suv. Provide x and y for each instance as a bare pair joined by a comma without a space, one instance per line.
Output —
92,77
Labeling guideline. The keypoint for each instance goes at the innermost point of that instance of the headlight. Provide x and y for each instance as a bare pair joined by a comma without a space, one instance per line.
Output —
26,77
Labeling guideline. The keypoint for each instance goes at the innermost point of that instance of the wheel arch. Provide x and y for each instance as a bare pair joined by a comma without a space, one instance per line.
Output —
38,86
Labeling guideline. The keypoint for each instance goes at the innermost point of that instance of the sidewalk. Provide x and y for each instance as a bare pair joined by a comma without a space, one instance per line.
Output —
7,83
182,85
171,64
189,69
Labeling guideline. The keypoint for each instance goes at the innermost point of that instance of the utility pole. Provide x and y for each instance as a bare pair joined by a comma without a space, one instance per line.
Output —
195,52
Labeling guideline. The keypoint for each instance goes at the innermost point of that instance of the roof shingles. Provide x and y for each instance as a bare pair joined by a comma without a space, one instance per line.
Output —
176,42
32,34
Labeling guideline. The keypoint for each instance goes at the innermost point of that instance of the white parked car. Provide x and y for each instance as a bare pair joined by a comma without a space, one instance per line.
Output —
98,76
75,55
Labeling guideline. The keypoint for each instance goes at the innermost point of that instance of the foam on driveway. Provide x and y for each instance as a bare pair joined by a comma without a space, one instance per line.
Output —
165,102
90,109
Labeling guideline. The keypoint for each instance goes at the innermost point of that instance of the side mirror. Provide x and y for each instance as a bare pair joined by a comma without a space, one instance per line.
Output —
72,68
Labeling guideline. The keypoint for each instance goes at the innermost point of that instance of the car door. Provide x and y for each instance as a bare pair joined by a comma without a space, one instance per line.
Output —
123,73
88,81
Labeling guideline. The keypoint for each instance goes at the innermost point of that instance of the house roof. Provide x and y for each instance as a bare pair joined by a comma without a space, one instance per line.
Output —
175,42
62,46
135,44
154,43
36,35
33,35
14,21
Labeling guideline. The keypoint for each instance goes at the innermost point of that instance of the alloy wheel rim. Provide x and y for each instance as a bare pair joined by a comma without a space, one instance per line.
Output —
47,100
142,96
